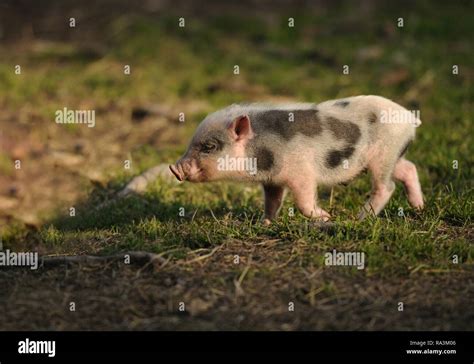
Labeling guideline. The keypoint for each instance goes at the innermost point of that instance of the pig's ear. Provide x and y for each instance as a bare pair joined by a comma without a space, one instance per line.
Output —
240,128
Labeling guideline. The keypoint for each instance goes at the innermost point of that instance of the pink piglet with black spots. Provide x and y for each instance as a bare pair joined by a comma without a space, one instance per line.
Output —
299,146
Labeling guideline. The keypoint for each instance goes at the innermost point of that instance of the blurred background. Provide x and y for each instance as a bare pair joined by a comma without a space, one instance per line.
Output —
190,70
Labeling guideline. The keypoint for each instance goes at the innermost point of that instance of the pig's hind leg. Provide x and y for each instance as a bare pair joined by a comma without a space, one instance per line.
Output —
274,196
405,171
382,187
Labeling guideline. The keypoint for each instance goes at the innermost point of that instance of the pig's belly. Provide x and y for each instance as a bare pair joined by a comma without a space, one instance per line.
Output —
349,169
308,159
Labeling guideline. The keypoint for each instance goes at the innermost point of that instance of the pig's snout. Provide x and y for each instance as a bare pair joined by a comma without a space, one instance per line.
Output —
186,169
178,172
183,169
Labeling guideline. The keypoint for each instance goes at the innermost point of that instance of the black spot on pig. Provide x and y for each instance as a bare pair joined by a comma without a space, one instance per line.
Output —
336,157
344,130
288,123
405,148
342,103
372,118
265,159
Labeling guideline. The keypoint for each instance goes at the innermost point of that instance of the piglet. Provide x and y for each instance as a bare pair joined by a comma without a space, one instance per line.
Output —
299,146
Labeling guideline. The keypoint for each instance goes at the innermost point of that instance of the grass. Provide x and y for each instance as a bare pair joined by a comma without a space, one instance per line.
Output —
187,217
305,64
282,63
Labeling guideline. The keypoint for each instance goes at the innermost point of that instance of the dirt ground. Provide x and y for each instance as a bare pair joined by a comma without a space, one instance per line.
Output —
76,161
216,296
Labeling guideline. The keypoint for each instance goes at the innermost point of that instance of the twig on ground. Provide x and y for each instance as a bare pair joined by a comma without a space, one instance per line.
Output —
139,184
238,283
205,256
134,256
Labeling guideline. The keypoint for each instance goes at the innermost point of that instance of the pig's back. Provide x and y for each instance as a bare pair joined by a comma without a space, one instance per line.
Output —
363,110
337,137
356,130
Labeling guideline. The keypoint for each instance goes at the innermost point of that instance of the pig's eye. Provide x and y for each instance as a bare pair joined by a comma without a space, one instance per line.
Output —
208,147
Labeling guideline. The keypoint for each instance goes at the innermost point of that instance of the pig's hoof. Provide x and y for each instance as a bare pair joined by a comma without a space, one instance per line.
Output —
419,206
363,214
321,218
320,215
266,222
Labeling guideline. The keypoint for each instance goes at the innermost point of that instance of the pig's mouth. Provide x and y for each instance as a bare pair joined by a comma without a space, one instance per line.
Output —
181,176
177,173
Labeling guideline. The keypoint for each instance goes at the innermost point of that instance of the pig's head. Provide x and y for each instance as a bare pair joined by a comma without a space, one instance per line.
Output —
218,137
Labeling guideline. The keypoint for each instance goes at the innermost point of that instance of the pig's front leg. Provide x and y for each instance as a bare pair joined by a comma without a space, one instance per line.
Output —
274,196
304,193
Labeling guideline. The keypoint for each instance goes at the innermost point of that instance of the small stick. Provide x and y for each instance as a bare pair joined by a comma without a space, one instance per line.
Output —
139,183
331,197
135,256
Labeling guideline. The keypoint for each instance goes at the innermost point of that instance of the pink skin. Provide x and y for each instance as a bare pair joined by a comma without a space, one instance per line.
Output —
299,177
299,167
405,171
303,186
186,169
195,167
381,193
383,185
304,194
